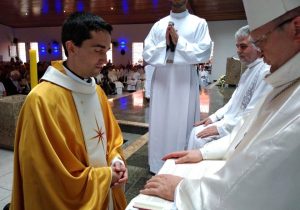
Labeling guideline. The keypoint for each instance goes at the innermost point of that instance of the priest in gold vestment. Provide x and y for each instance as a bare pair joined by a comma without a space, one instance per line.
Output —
67,152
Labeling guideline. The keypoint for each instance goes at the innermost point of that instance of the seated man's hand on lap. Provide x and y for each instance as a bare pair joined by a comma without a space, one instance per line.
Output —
204,122
209,131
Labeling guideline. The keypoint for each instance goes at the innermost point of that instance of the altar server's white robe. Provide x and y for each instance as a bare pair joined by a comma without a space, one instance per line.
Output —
263,169
250,89
174,104
149,72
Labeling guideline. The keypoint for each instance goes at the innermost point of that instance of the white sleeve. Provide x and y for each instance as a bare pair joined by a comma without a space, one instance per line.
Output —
117,159
192,51
155,49
219,114
260,92
215,150
196,50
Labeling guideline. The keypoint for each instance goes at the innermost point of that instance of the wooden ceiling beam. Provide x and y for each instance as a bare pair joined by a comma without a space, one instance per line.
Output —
35,14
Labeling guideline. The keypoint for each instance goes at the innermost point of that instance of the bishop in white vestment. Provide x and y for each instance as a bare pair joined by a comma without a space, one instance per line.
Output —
262,169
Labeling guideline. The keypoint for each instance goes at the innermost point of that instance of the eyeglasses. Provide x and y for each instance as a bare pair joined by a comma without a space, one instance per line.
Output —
264,37
242,46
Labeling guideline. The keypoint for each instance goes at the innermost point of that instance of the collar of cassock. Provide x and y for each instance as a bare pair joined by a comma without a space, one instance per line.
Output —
254,63
179,15
60,75
72,74
287,73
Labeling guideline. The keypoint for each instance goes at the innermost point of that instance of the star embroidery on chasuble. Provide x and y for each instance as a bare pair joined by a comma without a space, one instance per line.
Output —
100,134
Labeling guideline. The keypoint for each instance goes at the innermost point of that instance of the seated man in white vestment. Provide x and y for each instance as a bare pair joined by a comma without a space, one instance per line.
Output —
250,89
262,168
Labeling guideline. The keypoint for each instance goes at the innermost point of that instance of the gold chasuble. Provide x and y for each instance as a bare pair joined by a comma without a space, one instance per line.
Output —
65,141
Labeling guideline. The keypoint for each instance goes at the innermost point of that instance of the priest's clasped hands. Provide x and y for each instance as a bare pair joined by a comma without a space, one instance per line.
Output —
119,174
171,33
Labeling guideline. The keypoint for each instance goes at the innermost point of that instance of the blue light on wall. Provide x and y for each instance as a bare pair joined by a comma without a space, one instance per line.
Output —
50,48
43,49
45,7
55,50
123,46
80,6
58,6
125,6
55,47
155,3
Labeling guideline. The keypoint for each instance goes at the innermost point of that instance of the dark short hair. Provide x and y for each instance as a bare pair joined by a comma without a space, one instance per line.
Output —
78,25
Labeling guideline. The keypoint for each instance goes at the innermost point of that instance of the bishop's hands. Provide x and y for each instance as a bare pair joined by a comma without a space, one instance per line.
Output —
187,156
162,185
119,174
171,35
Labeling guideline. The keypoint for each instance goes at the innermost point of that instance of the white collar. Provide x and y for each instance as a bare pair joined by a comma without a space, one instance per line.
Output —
254,63
179,15
55,76
287,73
74,76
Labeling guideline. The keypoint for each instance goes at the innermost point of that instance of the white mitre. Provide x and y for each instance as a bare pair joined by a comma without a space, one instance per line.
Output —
260,12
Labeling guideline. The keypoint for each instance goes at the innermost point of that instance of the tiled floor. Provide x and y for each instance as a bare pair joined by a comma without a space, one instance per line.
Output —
6,172
132,112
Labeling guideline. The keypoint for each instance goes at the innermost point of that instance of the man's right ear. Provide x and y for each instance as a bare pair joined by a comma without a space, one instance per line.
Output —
296,22
70,47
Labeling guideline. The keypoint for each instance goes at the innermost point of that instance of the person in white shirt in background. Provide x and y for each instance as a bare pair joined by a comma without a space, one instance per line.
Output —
174,44
140,83
113,77
250,90
203,76
121,74
132,79
112,74
262,169
99,78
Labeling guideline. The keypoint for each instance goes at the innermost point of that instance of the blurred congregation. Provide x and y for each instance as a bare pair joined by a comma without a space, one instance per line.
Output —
113,79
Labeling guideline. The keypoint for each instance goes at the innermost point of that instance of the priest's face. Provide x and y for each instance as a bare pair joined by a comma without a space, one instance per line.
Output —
178,3
91,55
246,51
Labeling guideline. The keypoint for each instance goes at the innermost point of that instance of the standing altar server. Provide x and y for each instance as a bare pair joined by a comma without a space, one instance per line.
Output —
174,44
